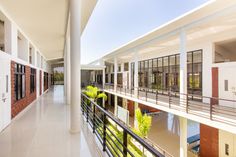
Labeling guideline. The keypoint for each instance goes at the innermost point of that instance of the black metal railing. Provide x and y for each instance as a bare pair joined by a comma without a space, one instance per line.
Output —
215,109
116,138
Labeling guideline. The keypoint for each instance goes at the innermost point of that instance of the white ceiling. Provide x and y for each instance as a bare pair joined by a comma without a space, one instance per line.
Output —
45,21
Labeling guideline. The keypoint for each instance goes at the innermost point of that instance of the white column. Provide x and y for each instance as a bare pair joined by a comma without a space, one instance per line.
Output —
183,89
103,75
65,73
136,74
115,105
37,83
115,73
130,73
124,105
183,136
75,20
183,63
11,38
103,81
42,91
68,72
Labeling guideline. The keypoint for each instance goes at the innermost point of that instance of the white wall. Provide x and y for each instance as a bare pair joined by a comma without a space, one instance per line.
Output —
23,48
227,138
227,71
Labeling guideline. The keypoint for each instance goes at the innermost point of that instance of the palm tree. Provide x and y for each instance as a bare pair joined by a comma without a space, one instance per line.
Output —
93,93
144,124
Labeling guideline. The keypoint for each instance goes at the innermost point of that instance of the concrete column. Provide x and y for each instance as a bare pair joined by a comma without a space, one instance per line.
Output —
11,38
115,73
125,105
130,73
116,105
183,89
37,83
68,72
183,64
103,81
42,91
103,75
75,25
65,72
136,74
183,136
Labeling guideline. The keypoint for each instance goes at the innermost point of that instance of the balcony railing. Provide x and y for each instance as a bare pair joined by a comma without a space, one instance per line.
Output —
115,137
215,109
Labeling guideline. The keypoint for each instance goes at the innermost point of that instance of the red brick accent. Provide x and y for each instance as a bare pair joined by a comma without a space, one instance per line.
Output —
130,107
18,106
215,85
40,83
209,141
150,109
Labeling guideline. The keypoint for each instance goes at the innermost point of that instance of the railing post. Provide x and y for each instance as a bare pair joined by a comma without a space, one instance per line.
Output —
146,94
83,104
125,143
87,112
186,103
104,133
138,92
169,94
156,96
94,117
211,109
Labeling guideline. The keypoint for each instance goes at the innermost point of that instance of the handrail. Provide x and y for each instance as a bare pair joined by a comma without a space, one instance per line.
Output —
125,128
199,105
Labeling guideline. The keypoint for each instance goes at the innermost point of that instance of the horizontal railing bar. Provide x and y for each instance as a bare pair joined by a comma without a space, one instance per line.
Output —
131,133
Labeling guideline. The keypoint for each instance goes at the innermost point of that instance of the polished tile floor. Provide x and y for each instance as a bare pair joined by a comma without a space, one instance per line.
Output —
43,131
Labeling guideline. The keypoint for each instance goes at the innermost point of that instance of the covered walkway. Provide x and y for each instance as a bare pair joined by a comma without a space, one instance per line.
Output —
42,131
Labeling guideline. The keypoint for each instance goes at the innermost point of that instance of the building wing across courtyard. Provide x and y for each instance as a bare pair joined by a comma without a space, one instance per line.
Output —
170,92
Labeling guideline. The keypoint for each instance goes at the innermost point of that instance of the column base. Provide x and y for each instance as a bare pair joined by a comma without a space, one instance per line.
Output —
75,131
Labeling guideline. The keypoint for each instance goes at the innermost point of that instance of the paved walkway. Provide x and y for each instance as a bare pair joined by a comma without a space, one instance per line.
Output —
43,131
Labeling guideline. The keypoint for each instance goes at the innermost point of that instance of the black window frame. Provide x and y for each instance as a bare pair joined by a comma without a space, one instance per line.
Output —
32,80
20,81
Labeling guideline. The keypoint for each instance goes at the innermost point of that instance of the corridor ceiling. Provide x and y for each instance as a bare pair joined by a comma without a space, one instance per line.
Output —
44,22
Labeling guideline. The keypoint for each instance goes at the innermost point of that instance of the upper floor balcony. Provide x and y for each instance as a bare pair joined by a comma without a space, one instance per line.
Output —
215,112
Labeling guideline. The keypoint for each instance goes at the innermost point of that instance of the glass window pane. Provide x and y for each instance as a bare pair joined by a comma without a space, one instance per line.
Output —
172,60
177,60
154,63
150,63
23,86
166,61
189,57
197,56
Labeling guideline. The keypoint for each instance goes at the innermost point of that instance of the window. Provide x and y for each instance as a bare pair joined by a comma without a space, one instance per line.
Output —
126,67
106,78
45,81
119,68
227,149
226,85
32,80
30,55
195,72
163,73
19,81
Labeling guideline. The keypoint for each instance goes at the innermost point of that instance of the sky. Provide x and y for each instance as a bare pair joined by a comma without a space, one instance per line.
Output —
116,22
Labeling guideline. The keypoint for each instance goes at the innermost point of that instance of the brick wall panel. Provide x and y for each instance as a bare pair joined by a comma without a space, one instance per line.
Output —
18,106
